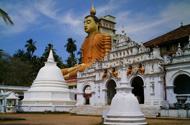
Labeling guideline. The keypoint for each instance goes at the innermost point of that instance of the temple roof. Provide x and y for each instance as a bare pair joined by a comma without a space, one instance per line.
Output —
178,33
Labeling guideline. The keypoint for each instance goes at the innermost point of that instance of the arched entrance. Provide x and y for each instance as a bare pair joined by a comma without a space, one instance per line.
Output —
111,91
182,84
87,94
138,89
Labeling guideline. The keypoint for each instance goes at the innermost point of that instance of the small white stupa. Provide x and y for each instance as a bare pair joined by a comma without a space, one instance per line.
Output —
124,109
49,91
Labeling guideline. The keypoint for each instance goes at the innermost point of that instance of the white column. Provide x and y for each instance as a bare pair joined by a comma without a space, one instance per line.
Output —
80,99
104,97
92,98
171,96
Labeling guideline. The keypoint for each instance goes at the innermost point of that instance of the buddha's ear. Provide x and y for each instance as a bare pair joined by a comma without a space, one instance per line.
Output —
97,24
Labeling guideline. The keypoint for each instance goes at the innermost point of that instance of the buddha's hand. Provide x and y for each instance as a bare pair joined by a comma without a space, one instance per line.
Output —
78,65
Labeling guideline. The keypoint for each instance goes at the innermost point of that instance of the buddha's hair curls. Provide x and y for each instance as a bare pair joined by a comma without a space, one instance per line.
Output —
94,17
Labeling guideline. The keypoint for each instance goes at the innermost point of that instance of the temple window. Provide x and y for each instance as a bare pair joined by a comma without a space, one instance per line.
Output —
168,48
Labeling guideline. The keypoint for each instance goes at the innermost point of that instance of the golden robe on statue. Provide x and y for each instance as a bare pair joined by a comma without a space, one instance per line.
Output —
94,47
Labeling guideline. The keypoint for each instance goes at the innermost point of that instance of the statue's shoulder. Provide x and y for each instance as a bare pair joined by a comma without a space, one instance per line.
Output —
104,36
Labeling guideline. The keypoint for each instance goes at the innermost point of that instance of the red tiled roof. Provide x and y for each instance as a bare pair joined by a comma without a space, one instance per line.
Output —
178,33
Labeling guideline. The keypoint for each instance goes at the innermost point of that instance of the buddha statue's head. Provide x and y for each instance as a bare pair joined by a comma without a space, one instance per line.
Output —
91,22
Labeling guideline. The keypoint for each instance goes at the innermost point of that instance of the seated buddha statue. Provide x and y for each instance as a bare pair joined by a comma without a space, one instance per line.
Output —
95,45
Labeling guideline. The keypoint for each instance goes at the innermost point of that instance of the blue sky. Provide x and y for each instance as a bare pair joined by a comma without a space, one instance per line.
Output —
57,20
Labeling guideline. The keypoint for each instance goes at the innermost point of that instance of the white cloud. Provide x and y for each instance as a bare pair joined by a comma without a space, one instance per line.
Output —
177,12
143,26
22,16
68,19
46,7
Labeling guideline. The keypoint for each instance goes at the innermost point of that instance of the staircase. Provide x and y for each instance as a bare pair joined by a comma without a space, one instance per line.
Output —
89,110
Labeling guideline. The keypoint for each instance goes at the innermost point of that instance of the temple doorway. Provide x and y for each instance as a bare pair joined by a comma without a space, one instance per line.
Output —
111,91
182,84
87,94
138,89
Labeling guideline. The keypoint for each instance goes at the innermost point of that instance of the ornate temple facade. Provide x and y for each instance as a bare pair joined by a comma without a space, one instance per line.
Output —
144,73
158,80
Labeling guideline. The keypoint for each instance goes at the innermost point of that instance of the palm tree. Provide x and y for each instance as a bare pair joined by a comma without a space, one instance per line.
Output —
47,50
5,17
71,48
57,58
21,54
30,46
80,54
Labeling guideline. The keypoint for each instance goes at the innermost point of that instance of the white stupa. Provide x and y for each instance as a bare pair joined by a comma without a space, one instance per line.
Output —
49,91
124,109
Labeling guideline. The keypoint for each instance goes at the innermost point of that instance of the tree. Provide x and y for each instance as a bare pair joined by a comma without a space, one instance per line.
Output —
13,71
31,46
22,55
71,48
57,58
5,17
80,54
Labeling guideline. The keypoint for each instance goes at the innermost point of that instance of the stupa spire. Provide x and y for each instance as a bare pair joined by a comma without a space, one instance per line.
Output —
50,57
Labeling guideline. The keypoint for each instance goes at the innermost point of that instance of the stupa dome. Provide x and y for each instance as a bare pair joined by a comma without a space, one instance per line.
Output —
49,77
49,91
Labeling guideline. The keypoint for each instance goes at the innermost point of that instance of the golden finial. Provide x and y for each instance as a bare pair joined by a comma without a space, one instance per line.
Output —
93,11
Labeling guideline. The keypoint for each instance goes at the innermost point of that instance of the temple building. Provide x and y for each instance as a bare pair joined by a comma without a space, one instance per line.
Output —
160,76
107,24
168,43
158,70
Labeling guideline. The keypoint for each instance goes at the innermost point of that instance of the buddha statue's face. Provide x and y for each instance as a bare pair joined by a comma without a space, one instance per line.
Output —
90,25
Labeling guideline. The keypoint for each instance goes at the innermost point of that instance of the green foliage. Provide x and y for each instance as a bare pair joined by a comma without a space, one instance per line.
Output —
14,71
80,54
70,61
57,58
30,46
71,48
5,17
22,68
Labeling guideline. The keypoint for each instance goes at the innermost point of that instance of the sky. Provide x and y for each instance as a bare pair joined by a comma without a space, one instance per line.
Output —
57,20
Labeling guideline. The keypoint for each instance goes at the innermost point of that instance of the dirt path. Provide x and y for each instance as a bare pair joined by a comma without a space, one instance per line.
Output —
68,119
51,119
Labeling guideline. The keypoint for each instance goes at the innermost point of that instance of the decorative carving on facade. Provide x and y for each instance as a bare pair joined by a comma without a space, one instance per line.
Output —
187,48
114,73
141,69
161,69
99,64
106,57
143,49
105,74
129,71
179,51
156,53
167,59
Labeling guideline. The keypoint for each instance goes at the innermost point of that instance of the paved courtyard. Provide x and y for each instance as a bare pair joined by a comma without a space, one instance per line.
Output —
69,119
